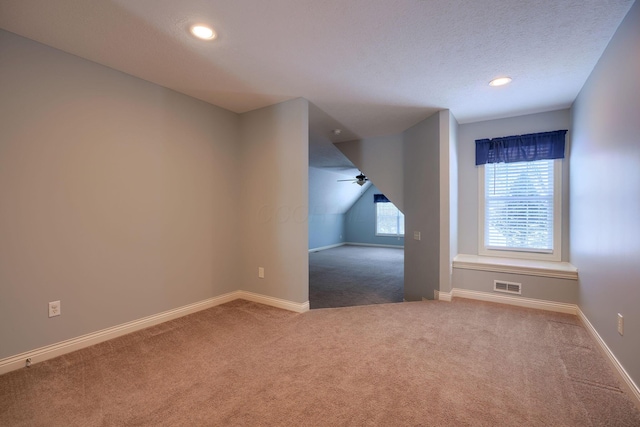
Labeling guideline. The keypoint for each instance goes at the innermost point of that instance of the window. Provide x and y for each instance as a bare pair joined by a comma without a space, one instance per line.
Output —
519,211
389,220
520,195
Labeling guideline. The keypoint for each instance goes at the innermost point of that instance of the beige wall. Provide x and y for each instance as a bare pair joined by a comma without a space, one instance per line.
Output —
118,197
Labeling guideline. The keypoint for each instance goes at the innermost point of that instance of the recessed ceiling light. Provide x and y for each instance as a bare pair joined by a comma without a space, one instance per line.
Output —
203,32
500,81
336,132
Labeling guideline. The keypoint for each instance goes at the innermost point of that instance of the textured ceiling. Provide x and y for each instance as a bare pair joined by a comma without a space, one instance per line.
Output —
370,67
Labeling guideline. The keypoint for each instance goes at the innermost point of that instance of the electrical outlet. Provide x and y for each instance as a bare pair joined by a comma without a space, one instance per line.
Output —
54,308
620,324
261,272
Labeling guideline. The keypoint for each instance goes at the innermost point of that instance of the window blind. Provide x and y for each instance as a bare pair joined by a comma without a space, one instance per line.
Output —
389,220
519,206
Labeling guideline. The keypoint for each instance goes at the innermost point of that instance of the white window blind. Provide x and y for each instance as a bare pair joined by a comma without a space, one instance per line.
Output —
389,220
519,206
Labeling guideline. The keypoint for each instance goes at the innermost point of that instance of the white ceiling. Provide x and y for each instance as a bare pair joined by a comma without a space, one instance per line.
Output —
370,67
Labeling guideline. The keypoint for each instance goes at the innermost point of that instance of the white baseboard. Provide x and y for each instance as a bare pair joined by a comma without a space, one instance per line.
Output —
443,296
539,304
322,248
41,354
374,245
298,307
622,373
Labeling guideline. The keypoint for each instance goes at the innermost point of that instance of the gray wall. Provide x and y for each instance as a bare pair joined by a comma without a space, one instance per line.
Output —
326,230
124,199
542,288
118,197
468,172
381,160
275,200
448,197
605,193
329,201
417,171
422,208
532,286
360,222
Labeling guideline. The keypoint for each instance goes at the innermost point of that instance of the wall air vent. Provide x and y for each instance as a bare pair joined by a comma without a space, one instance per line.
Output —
508,287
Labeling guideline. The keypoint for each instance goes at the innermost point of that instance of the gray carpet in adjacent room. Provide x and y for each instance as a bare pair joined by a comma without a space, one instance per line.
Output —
355,275
464,363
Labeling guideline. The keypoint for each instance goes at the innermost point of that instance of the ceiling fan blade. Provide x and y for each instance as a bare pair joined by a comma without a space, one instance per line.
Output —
359,179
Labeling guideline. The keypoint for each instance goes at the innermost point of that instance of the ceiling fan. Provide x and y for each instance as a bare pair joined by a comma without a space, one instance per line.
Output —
359,179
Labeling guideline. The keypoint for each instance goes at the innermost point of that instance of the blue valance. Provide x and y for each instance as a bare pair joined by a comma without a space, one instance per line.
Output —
521,148
380,198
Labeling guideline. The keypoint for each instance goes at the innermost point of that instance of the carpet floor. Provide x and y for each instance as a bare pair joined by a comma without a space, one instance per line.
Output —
355,275
464,363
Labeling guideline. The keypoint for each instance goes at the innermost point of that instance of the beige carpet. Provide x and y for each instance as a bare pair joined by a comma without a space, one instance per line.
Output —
424,363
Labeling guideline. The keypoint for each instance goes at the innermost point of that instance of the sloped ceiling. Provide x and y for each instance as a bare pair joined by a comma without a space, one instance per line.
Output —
328,196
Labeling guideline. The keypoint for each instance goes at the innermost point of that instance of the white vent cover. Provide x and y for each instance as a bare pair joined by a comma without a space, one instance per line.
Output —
508,287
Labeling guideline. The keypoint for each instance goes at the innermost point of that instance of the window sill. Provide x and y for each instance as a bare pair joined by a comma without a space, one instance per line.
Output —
560,270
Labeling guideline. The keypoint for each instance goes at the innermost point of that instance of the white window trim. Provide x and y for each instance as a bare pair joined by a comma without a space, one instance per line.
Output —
527,267
376,224
556,255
